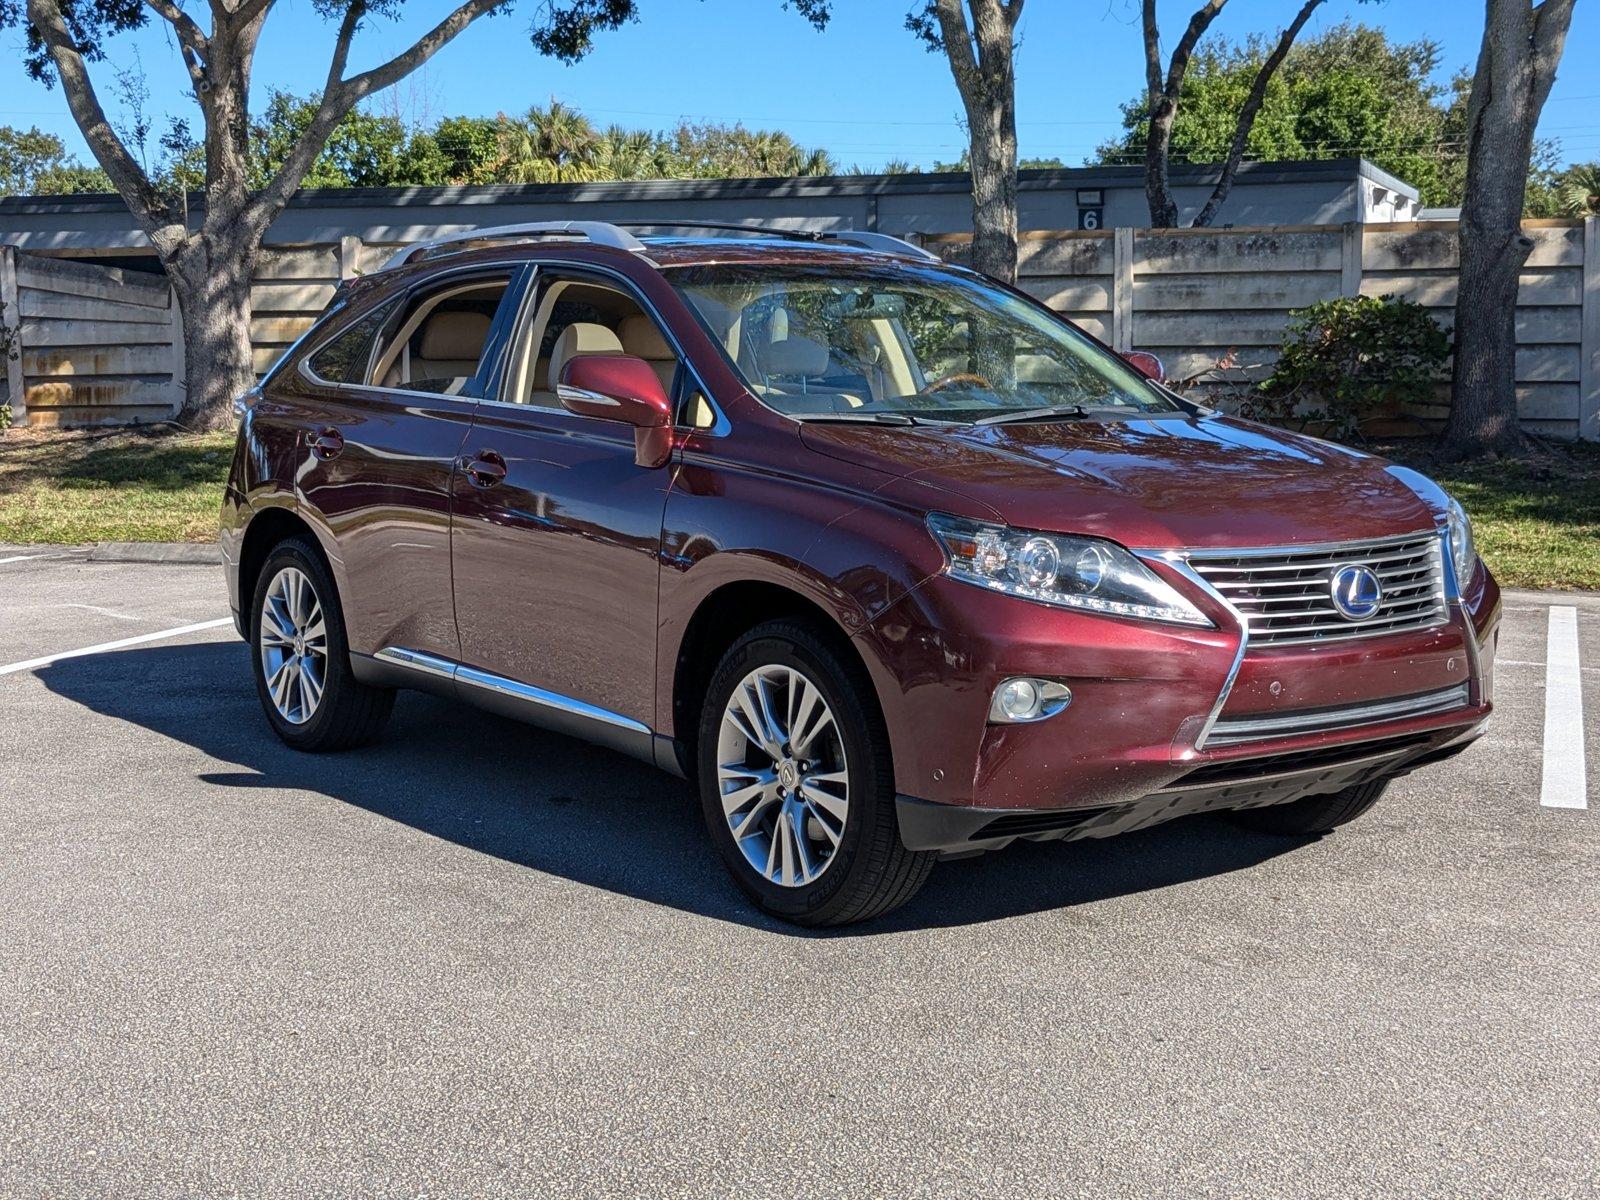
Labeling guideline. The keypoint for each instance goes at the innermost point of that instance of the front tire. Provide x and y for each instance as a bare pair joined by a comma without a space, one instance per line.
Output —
1314,815
312,699
797,783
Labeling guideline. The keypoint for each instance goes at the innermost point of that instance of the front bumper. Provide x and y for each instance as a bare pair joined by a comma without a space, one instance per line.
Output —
1132,747
956,830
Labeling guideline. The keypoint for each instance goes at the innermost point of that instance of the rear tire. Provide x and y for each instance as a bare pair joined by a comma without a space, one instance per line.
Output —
812,793
1313,815
301,657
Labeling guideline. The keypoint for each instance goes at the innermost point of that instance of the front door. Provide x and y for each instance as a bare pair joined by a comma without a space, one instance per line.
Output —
556,532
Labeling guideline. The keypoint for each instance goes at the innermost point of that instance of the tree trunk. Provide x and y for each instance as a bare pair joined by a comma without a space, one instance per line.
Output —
1521,46
1158,144
213,290
994,198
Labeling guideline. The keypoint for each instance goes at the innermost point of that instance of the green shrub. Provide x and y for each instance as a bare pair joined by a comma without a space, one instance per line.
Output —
1345,361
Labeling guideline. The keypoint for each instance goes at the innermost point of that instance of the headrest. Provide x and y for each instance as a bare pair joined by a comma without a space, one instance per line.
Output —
454,336
581,337
642,339
795,355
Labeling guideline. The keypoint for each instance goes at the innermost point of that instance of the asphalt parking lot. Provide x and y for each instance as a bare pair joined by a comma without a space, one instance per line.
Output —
480,959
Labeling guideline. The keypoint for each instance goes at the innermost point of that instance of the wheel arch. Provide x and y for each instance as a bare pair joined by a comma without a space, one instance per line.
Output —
722,617
269,527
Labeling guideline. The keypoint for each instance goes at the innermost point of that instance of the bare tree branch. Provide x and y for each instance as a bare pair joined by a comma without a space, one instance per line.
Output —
1162,102
249,10
1184,50
957,39
190,34
146,204
1252,106
1551,20
341,95
440,36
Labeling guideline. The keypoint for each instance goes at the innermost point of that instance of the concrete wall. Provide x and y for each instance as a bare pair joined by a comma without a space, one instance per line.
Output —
1320,193
1213,303
99,345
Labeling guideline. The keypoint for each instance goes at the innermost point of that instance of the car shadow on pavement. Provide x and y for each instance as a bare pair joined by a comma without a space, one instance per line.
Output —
560,806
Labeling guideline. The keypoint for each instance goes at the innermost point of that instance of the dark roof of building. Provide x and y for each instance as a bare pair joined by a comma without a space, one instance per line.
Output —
1054,179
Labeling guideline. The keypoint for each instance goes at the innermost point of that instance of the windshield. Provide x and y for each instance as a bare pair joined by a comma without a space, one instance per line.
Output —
896,343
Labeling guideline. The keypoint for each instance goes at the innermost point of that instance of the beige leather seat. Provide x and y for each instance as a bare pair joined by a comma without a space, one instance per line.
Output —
641,338
793,358
581,337
787,363
452,343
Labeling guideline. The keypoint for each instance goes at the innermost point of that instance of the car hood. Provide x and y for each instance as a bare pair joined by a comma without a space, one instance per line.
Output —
1162,483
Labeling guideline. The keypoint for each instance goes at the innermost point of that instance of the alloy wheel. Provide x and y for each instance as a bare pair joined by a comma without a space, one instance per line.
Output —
294,646
783,775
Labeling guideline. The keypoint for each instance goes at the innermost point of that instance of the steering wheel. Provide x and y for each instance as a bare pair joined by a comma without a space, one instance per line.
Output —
959,379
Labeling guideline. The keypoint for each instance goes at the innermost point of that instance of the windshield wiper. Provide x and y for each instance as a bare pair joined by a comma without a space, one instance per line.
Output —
857,418
1068,412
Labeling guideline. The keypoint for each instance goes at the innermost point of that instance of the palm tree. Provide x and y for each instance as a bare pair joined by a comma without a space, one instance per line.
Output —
631,154
817,162
1578,193
557,144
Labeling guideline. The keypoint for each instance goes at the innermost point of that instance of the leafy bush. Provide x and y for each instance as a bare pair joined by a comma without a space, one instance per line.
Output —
1345,361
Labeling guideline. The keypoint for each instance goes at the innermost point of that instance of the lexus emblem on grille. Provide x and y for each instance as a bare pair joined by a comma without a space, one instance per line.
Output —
1356,592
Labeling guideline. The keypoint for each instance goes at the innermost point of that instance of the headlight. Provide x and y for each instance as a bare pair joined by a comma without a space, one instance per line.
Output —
1463,554
1052,568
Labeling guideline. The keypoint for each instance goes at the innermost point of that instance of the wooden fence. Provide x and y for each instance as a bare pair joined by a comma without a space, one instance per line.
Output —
96,344
1212,303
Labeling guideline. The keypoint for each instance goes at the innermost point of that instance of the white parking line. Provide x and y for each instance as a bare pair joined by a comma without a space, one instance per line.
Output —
19,558
1563,785
120,643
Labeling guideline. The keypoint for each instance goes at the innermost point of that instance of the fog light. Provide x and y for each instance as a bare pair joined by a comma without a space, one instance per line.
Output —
1020,700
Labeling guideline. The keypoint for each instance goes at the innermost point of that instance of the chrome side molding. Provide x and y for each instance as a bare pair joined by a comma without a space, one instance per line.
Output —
401,666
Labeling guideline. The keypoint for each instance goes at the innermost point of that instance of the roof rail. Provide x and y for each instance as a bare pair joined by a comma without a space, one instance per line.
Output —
883,243
598,232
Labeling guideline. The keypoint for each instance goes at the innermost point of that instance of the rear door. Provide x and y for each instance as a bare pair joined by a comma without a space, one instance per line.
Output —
393,407
557,532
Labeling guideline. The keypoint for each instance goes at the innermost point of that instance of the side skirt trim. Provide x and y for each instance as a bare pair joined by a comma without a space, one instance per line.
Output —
400,666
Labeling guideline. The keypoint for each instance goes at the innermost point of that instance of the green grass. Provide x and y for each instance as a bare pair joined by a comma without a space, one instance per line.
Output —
75,487
1537,522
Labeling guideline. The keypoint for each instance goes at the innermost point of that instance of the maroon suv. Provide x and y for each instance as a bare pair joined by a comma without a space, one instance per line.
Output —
891,561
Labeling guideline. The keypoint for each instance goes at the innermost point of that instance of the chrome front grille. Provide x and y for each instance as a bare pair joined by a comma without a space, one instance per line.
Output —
1286,595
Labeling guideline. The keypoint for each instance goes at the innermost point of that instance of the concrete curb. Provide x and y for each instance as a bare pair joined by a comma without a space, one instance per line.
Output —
176,553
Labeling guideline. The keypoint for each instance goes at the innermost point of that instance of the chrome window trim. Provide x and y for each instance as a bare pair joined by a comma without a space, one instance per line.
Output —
304,366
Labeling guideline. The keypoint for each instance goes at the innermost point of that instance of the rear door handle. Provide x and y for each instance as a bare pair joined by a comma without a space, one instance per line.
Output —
485,469
326,443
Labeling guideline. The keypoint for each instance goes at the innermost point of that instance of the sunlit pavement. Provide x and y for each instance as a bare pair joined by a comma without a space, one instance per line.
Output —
480,959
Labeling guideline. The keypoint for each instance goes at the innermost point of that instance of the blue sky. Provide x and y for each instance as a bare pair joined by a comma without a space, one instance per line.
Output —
866,89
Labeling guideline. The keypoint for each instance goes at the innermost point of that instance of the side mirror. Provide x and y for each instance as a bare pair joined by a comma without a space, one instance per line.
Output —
620,387
1146,364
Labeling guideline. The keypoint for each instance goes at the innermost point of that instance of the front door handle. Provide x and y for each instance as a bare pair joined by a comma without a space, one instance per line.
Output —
325,443
485,469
